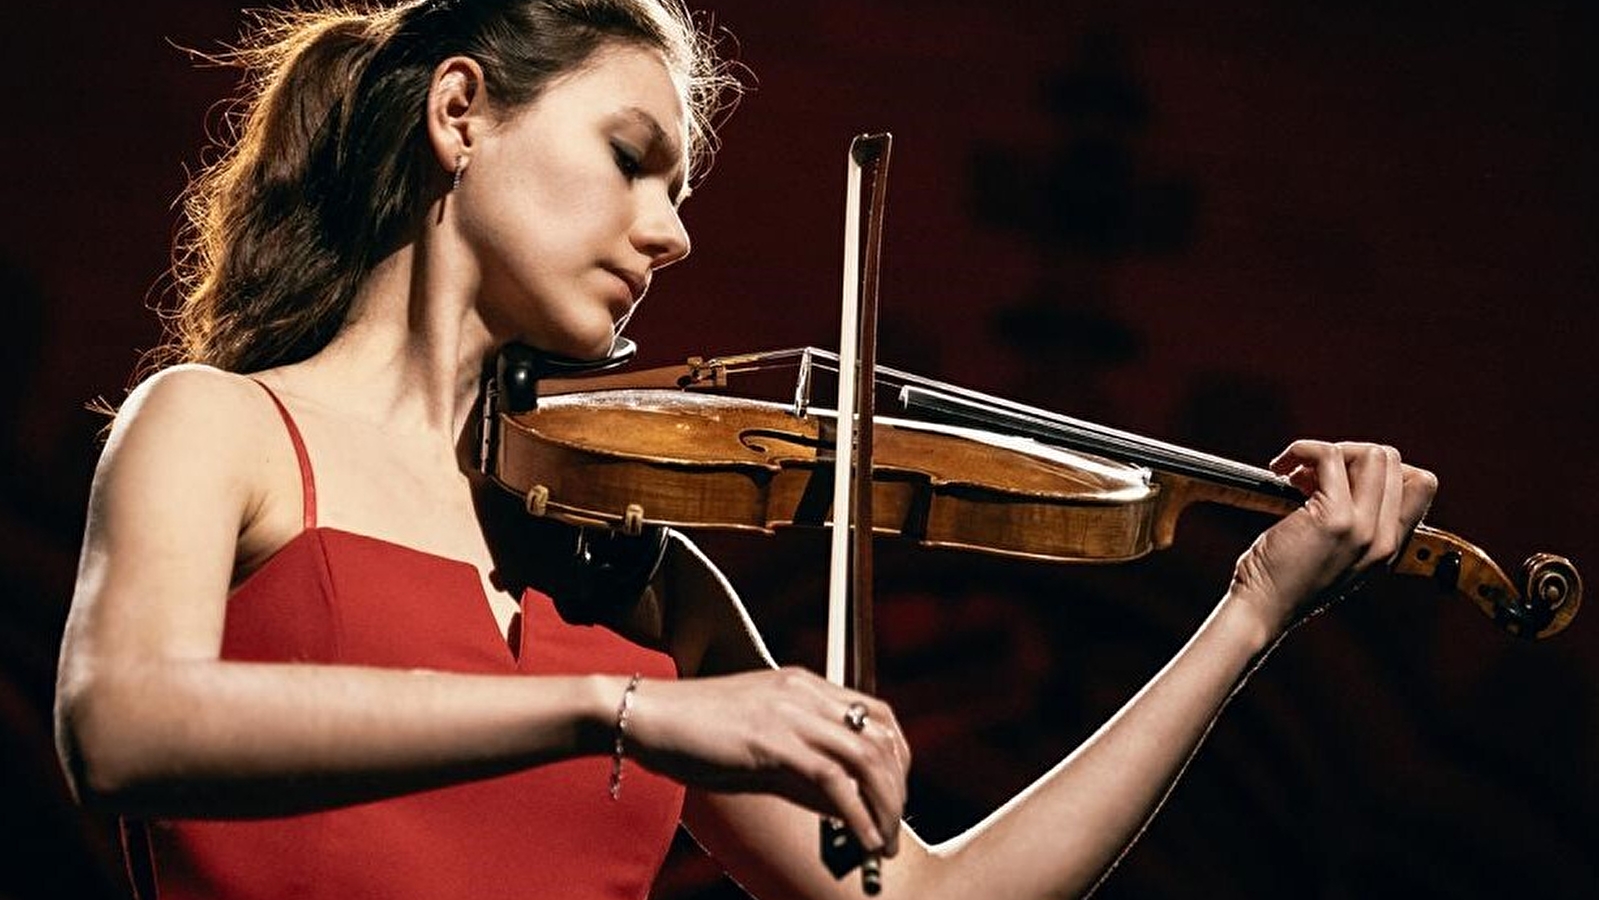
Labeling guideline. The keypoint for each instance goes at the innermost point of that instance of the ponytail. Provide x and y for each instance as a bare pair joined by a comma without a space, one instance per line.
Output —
263,283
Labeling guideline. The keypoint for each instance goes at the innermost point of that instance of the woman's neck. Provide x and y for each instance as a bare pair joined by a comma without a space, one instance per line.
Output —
412,352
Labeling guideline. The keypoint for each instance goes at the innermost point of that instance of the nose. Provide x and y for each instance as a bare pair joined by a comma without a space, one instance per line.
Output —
659,232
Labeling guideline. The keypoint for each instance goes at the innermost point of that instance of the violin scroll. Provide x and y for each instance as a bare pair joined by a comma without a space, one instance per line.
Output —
1549,593
1553,591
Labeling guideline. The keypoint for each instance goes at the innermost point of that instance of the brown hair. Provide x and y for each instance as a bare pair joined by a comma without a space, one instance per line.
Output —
329,171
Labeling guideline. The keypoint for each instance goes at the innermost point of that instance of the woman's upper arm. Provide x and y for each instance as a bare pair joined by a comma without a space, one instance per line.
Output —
773,849
172,488
711,631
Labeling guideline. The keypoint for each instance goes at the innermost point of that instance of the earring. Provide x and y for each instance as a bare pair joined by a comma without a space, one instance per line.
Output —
460,169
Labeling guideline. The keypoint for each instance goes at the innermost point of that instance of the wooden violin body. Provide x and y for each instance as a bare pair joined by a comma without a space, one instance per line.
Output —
730,463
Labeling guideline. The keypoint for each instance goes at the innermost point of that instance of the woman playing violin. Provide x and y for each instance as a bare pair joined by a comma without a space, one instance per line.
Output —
301,660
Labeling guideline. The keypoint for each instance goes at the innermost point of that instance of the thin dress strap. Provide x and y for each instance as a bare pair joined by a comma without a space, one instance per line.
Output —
307,480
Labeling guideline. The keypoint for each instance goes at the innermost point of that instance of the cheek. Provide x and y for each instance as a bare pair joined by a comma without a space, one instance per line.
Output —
545,220
541,210
582,205
505,224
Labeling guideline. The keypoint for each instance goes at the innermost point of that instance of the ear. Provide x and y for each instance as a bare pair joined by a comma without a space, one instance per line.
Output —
458,110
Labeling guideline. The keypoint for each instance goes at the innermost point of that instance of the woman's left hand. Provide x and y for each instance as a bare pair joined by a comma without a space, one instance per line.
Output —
1361,504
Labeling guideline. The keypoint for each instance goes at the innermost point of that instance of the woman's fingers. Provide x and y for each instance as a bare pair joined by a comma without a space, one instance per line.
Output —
786,732
875,760
1316,468
1361,503
859,733
1420,486
844,796
1391,528
1369,479
1385,498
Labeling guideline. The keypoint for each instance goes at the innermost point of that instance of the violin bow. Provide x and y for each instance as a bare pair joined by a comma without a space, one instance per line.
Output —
849,595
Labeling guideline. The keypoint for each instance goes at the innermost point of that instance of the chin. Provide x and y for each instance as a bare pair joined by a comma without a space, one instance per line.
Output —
576,347
599,347
578,340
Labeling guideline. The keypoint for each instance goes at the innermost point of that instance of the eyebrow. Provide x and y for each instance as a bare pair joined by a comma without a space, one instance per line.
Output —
667,144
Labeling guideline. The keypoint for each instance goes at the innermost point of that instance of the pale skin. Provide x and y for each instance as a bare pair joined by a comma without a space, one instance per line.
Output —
150,721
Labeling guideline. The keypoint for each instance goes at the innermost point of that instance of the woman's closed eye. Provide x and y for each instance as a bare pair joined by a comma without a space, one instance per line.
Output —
627,160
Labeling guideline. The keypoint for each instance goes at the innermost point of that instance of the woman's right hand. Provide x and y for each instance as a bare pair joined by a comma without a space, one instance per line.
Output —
783,732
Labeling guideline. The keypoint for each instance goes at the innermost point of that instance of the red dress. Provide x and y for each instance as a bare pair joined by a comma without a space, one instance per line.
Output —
331,596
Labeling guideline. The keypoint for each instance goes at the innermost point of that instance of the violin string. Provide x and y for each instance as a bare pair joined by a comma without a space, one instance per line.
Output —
999,412
1150,453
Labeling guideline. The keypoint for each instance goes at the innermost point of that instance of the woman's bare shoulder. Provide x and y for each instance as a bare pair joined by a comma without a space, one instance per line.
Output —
189,423
190,388
192,402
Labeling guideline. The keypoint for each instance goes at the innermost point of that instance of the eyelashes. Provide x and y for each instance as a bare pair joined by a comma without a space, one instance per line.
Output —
635,164
627,161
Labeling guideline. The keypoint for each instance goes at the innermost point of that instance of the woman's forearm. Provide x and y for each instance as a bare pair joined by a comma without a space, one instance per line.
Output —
214,738
1059,836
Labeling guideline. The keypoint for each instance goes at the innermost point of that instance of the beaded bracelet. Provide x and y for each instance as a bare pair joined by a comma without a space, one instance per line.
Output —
623,707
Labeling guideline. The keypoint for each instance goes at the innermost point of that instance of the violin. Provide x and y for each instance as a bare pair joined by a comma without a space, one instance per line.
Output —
963,470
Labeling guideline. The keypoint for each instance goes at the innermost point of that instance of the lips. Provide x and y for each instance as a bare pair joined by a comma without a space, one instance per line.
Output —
636,284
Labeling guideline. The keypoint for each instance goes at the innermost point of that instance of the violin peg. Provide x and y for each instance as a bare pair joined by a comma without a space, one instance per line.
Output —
538,501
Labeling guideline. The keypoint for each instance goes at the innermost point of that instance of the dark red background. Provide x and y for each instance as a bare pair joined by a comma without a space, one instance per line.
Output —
1225,227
